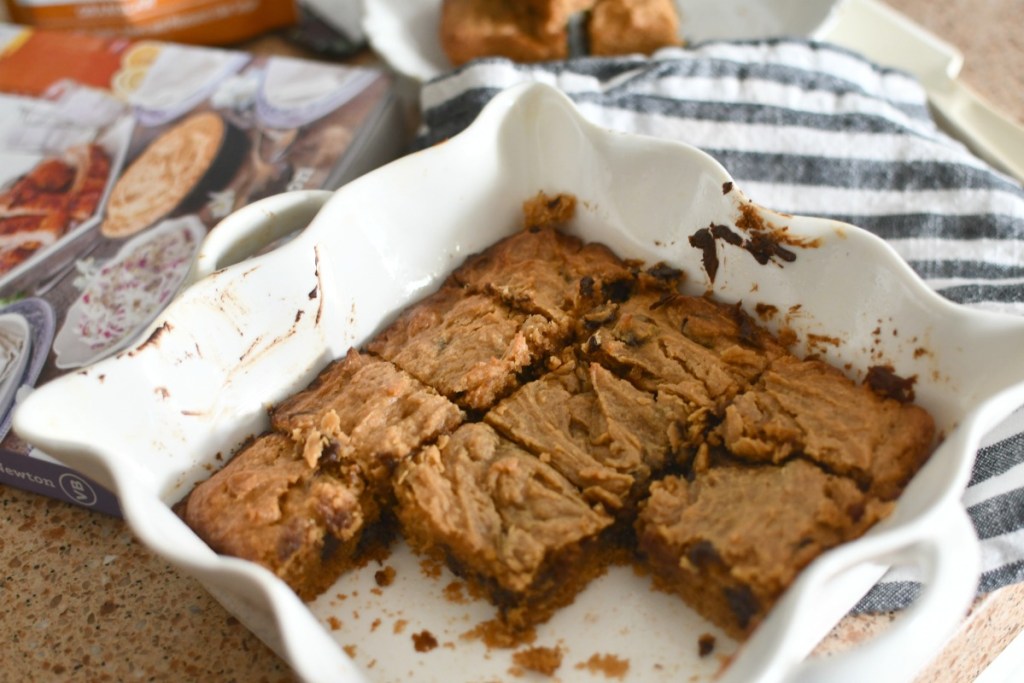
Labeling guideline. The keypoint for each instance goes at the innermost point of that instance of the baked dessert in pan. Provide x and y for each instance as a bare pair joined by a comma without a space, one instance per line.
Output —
263,327
602,414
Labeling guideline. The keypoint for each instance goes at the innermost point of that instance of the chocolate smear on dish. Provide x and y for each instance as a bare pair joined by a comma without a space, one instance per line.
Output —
153,338
705,241
424,641
705,644
765,242
883,380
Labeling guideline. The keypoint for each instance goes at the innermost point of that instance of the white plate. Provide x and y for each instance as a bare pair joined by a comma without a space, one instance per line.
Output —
296,92
405,32
159,417
180,78
123,295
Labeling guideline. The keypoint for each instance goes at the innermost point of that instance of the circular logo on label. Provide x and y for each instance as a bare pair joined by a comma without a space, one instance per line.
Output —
77,489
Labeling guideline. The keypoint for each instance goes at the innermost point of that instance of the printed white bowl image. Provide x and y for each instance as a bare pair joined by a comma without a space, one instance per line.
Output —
123,295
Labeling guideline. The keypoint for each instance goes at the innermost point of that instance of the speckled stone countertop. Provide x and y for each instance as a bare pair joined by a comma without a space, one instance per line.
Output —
83,601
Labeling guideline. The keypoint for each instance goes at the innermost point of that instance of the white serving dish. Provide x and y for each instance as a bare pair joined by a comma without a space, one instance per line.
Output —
405,32
151,422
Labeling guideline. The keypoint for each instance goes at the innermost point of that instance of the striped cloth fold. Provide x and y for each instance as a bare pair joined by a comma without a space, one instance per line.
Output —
814,129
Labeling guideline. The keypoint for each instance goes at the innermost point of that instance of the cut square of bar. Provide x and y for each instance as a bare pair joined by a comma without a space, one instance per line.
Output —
268,505
810,409
545,271
301,500
733,539
504,520
469,347
702,352
599,431
365,410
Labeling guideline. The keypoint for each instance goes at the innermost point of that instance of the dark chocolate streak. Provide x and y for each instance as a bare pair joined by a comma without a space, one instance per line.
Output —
762,246
705,241
743,603
885,382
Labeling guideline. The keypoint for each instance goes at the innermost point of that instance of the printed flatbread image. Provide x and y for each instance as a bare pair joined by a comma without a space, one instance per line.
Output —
201,150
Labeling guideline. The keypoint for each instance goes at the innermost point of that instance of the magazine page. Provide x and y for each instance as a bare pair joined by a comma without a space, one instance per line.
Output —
116,158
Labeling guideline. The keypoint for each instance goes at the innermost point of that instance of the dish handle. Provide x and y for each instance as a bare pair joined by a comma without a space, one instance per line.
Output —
255,227
996,138
950,570
941,543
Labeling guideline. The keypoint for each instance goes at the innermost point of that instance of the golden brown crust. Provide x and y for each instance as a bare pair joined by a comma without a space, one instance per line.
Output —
732,540
620,27
808,408
466,346
537,30
542,270
548,211
701,352
300,499
364,410
267,505
478,28
597,430
504,518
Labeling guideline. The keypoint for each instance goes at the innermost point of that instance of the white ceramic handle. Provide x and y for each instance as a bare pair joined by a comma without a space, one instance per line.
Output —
884,35
993,136
950,569
254,227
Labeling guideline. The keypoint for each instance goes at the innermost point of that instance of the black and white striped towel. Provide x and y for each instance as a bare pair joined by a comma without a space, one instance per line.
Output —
814,129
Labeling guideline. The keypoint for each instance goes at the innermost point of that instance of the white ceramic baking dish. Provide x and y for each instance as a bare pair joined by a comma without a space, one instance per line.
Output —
161,415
